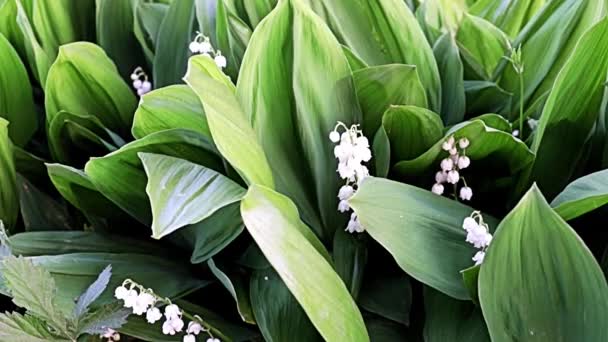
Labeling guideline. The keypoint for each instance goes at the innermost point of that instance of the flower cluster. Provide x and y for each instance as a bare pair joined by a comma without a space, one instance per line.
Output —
352,151
110,335
478,234
142,300
202,45
140,81
451,167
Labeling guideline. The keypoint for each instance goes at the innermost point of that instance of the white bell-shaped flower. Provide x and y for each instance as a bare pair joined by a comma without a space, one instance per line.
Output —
437,188
153,315
453,177
466,193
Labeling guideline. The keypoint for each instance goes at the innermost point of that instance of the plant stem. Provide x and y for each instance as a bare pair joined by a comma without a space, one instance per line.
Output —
521,105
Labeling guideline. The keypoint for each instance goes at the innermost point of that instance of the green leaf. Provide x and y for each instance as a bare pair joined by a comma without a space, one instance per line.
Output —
383,330
115,34
388,295
421,230
411,131
232,133
66,242
33,289
486,142
16,101
175,106
383,32
40,211
18,328
381,155
448,319
451,69
112,316
511,17
355,62
277,313
120,175
174,34
307,274
93,292
83,80
302,75
546,261
382,86
470,277
235,283
9,200
486,97
582,196
63,21
482,45
183,193
147,20
571,111
350,257
232,37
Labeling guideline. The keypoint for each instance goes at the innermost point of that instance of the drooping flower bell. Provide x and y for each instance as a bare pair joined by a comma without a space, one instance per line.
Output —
451,168
478,234
201,44
140,81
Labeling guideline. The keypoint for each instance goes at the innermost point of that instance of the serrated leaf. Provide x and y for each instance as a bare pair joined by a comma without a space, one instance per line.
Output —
15,327
93,292
33,288
109,316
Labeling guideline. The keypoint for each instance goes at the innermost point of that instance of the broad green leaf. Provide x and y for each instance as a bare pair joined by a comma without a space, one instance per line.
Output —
411,131
421,230
308,275
381,153
482,46
350,257
212,235
383,32
549,271
582,196
232,133
175,106
93,292
486,142
73,273
183,193
83,80
9,200
509,17
66,242
383,330
451,69
277,313
120,176
355,62
33,289
206,11
16,101
40,211
387,294
448,319
235,283
115,34
258,9
147,17
380,87
232,38
486,97
295,85
59,22
76,187
571,111
174,34
19,328
73,138
470,277
437,17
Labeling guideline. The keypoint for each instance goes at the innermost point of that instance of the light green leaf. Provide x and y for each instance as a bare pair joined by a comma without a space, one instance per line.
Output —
16,101
549,270
174,34
382,86
33,289
421,230
9,198
486,97
183,193
303,76
115,34
509,17
582,196
147,17
448,319
411,131
482,46
15,327
232,133
120,175
451,69
83,80
570,112
175,106
235,283
307,274
232,38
